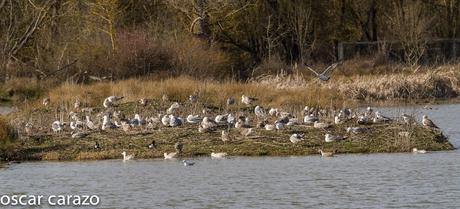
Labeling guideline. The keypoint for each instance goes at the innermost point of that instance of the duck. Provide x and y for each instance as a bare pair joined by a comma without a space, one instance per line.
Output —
218,155
46,101
127,157
170,155
296,138
97,146
152,145
417,151
326,154
332,138
188,163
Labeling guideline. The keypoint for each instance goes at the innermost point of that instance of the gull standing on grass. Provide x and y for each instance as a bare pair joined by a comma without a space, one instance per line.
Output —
111,100
428,123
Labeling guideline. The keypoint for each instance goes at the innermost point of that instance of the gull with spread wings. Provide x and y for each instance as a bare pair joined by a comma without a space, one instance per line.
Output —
325,75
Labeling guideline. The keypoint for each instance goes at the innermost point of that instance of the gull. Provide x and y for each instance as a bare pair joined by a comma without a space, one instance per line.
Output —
127,157
225,136
310,119
230,101
79,135
174,121
363,120
178,147
428,123
356,130
90,123
119,115
273,111
259,111
407,119
46,101
326,154
247,100
338,120
57,126
165,120
207,123
331,138
97,146
417,151
193,98
218,155
345,113
205,130
246,131
317,124
173,108
28,128
125,126
379,118
296,138
76,124
152,145
110,101
77,104
292,122
221,119
164,98
193,119
188,163
369,112
279,125
269,127
284,114
230,119
169,155
324,75
143,101
306,110
107,123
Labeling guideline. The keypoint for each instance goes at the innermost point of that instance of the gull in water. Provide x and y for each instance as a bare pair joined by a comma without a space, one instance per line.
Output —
225,136
326,154
417,151
57,126
356,130
169,156
310,119
152,145
46,101
296,138
259,111
379,118
193,119
90,123
247,100
332,138
174,121
428,123
188,163
321,125
324,76
111,100
127,157
218,155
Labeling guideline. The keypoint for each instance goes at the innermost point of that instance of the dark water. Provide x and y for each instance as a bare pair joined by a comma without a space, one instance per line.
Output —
347,181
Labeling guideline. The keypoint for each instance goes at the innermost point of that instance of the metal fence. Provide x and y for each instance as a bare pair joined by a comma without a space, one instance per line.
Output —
436,51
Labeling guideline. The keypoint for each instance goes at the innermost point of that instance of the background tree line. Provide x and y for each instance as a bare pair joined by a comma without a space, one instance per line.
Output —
95,39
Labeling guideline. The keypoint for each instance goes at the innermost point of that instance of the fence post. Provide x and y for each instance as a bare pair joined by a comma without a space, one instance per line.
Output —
340,51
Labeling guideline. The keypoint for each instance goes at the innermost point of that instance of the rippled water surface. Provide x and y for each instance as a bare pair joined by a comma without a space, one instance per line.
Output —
346,181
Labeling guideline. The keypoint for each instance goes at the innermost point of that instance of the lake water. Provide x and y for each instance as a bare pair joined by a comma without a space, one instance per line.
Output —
347,181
